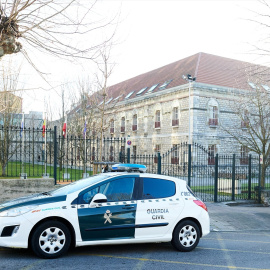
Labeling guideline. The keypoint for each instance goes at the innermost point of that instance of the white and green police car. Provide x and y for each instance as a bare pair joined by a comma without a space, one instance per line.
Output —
126,206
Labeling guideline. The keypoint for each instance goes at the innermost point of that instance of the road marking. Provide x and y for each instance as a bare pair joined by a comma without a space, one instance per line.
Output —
236,232
31,266
226,253
232,250
176,262
140,264
248,241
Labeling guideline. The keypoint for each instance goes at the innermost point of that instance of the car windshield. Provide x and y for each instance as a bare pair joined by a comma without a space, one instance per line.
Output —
75,186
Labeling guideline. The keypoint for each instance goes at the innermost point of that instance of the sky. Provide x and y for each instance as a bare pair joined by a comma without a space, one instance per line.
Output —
151,34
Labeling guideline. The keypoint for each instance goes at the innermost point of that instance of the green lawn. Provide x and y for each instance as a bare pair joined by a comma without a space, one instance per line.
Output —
14,169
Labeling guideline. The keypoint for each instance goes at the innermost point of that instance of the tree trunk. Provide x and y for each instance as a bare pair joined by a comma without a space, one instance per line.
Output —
263,174
4,166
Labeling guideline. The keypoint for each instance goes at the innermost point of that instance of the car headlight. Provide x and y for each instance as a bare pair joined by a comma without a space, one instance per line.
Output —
13,212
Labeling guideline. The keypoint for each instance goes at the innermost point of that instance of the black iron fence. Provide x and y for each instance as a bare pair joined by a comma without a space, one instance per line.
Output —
212,178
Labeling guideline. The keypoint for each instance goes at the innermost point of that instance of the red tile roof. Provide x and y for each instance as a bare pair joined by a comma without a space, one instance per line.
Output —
207,68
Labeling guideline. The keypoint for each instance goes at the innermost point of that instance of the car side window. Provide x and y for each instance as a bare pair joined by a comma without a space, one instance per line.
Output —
88,196
154,188
118,190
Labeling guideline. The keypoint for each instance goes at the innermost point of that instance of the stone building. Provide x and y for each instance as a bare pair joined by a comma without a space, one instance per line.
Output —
153,109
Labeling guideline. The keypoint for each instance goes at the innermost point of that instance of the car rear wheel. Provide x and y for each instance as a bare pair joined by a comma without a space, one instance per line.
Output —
186,236
51,239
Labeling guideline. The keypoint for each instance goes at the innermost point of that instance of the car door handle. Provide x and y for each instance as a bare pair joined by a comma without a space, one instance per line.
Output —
128,207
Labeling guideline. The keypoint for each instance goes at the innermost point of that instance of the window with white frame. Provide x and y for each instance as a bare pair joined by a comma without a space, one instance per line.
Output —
135,122
123,124
175,117
212,151
175,154
213,117
157,119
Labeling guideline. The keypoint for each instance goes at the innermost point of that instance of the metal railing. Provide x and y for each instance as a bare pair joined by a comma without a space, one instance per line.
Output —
230,177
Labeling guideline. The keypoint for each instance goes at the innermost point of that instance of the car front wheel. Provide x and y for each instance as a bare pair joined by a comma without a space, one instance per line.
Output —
186,236
50,239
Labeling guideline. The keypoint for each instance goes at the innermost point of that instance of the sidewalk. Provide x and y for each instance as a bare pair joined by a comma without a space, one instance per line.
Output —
232,216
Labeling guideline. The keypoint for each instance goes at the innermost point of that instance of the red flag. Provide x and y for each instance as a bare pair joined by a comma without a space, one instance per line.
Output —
44,128
64,130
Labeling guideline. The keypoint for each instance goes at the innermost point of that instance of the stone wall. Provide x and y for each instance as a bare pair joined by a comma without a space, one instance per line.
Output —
147,136
15,188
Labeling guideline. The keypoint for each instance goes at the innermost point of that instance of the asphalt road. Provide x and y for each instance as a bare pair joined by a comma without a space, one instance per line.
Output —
218,250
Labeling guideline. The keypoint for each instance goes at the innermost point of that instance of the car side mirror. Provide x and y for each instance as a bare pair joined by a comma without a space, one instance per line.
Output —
98,198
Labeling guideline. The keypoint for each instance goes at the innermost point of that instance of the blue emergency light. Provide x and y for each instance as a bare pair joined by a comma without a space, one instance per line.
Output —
129,168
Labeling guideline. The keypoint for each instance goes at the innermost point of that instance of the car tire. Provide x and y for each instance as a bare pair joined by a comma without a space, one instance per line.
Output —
50,240
186,236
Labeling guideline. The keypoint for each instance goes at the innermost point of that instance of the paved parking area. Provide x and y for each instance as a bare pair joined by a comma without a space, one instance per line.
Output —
239,239
218,250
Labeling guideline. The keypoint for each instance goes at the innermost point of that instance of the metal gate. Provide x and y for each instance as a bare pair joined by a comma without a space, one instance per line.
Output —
213,177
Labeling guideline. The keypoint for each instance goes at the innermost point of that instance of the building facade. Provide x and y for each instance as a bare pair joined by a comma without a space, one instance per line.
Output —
162,108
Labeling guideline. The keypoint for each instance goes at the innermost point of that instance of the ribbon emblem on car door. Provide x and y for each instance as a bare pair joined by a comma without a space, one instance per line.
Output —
107,216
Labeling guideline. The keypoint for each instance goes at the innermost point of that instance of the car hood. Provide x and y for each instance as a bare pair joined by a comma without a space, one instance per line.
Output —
37,199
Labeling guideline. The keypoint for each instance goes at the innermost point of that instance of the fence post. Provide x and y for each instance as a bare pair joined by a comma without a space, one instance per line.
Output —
189,164
128,155
233,178
249,177
159,164
216,179
55,154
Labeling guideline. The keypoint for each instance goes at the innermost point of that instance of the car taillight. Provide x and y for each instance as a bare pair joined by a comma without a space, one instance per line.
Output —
201,204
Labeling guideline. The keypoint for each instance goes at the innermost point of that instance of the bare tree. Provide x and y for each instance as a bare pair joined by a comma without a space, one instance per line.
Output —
252,126
10,107
54,27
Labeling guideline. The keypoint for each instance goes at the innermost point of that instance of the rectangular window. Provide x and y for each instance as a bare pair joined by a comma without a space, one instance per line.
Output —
244,155
157,188
152,88
175,117
129,95
141,91
212,150
134,123
118,190
157,150
157,120
213,119
164,85
123,125
112,126
175,154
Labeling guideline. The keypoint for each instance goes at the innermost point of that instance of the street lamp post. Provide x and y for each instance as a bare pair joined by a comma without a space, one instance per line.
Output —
190,79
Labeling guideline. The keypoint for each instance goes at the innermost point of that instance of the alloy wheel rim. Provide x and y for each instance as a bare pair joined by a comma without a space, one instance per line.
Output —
188,236
52,240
